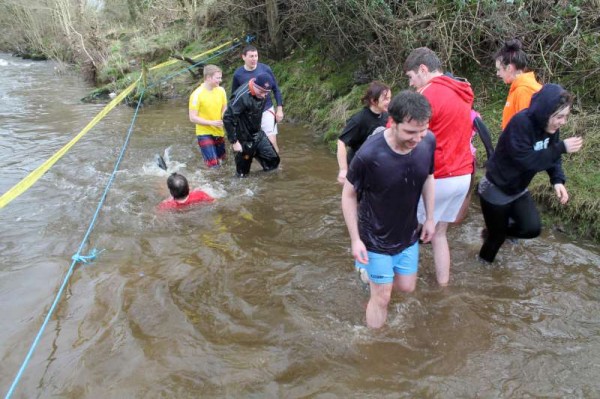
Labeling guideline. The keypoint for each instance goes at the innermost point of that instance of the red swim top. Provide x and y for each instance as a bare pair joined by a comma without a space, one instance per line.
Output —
195,197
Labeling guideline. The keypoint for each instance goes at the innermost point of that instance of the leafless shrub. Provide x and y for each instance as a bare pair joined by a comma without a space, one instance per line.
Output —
560,37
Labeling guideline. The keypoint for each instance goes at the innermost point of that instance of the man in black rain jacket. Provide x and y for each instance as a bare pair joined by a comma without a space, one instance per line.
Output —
242,121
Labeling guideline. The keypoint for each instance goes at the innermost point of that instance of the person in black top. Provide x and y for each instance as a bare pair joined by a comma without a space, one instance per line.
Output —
380,197
362,124
242,121
529,144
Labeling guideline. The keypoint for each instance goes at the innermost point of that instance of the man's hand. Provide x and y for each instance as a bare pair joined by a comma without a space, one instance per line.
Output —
428,230
218,123
561,193
279,114
237,146
359,251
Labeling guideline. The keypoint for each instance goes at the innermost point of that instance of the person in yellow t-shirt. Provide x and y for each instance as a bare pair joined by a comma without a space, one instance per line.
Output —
511,67
206,107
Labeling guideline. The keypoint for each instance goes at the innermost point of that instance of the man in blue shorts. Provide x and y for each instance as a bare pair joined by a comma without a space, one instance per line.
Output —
380,198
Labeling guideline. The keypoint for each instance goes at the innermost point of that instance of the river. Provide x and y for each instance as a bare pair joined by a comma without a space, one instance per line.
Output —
254,295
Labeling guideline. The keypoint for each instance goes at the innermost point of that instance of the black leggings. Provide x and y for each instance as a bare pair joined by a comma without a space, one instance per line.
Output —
525,223
261,149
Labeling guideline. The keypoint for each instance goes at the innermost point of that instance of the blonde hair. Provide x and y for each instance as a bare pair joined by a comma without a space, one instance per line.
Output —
210,70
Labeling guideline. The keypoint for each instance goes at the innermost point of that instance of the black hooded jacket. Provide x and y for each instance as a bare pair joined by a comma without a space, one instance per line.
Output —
242,118
525,148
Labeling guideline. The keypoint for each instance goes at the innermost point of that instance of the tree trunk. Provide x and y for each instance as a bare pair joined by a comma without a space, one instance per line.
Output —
274,26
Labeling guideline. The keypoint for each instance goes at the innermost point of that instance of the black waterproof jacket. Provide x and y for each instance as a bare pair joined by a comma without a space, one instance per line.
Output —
525,148
243,116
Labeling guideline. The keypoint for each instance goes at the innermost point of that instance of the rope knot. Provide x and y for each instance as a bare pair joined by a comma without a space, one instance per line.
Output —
87,258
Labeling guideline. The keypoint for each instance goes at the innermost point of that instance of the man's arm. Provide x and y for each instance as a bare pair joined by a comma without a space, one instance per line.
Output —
428,200
235,82
342,158
278,97
230,122
350,211
194,118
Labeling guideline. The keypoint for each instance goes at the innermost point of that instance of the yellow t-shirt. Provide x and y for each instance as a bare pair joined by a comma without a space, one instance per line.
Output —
209,105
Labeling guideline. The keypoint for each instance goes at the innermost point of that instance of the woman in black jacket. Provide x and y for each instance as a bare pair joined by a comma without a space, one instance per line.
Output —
529,144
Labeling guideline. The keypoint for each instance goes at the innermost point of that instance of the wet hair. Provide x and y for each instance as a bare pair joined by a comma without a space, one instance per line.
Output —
178,186
422,56
375,90
564,100
408,105
512,53
210,70
248,48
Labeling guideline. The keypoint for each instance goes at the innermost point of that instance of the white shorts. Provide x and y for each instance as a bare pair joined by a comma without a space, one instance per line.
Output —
450,193
267,123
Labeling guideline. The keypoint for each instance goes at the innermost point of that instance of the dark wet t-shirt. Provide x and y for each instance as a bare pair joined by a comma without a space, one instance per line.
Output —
388,186
359,127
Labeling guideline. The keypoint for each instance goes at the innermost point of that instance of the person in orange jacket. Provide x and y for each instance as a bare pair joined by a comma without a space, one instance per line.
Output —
511,67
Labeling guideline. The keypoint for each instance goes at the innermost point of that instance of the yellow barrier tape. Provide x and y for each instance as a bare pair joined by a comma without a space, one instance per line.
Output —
34,176
174,61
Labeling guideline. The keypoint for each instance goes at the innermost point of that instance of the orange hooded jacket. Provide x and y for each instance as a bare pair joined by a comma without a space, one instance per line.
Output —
519,95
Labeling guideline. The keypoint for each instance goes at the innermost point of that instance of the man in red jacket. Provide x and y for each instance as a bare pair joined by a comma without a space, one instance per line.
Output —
451,102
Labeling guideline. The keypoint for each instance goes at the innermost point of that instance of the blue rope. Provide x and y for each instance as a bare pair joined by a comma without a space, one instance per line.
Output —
86,258
77,258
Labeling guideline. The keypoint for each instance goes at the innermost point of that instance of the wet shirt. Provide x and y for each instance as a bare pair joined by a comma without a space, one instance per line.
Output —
195,197
209,105
388,187
359,127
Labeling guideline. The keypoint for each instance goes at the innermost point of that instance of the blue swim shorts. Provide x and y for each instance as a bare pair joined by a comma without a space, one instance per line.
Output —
382,267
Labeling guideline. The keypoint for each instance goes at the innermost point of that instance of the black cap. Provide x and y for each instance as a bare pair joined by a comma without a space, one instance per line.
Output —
264,81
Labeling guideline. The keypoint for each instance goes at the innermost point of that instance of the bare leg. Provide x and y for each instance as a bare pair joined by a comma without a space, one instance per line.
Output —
378,303
405,282
441,254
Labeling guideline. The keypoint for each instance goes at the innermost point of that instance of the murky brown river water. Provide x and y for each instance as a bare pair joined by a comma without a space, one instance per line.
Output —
253,296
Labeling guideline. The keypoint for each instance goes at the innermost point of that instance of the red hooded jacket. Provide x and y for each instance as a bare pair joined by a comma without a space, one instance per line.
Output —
451,102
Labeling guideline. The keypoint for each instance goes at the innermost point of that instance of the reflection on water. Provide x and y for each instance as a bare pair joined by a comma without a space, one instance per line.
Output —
253,295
